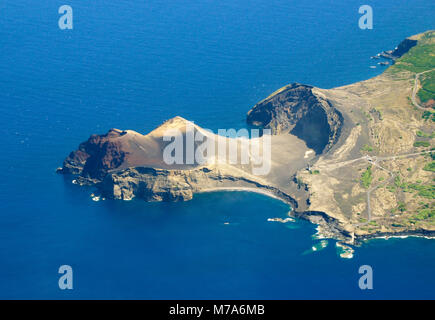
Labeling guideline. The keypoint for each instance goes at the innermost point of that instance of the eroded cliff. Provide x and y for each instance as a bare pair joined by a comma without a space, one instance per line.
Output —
297,110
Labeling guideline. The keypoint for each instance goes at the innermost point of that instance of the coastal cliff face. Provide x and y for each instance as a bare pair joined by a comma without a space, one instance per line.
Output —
404,47
295,109
153,184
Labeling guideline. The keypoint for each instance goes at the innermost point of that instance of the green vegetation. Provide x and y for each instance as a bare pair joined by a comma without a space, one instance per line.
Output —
367,177
421,144
423,214
430,166
419,58
428,115
427,91
367,148
422,134
425,191
392,189
425,96
397,182
314,172
401,207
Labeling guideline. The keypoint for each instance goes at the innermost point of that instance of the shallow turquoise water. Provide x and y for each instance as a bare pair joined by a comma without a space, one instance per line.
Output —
131,65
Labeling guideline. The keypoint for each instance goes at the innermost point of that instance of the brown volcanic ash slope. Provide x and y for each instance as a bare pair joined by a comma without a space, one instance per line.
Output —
120,149
126,164
366,176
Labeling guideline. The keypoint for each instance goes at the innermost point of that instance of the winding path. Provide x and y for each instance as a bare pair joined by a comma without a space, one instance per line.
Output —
415,89
374,161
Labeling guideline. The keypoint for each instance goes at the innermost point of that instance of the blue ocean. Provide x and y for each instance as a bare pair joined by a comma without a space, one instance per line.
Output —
133,64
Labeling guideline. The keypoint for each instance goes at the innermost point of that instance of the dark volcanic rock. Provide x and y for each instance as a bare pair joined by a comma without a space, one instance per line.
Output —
297,110
96,156
401,49
404,47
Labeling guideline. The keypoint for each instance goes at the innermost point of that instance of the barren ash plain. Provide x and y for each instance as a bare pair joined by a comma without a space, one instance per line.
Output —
356,160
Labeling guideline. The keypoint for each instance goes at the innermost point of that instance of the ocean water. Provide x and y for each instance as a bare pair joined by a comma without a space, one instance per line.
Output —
132,65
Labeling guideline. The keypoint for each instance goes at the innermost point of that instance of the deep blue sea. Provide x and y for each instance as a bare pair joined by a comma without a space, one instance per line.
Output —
133,64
